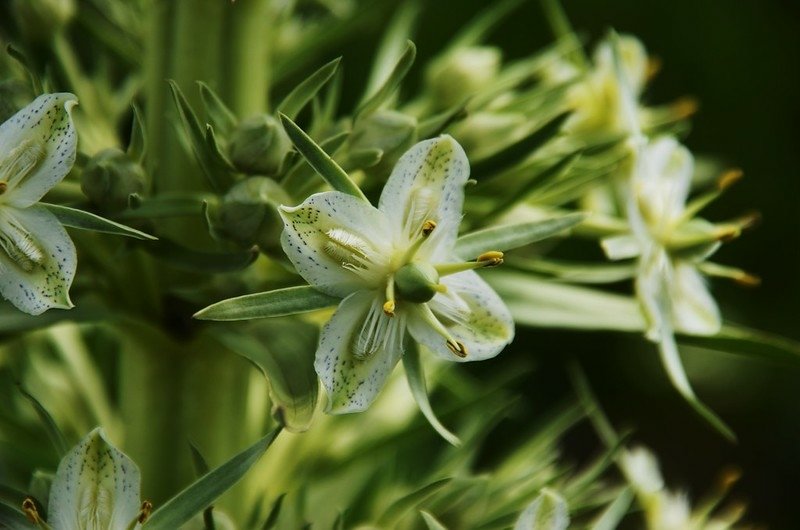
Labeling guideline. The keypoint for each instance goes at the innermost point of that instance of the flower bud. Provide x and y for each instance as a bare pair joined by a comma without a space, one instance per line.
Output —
484,133
259,145
390,131
110,177
416,282
41,19
460,74
248,214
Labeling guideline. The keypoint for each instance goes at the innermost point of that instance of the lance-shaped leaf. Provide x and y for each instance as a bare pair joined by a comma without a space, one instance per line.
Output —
220,116
137,145
410,501
191,260
416,382
83,220
299,97
392,82
51,427
320,160
219,176
431,521
280,302
507,237
96,486
205,490
547,512
283,350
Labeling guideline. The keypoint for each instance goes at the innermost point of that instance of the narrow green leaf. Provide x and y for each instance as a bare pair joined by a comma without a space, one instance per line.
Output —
320,161
274,513
205,490
36,82
218,176
475,31
221,117
741,340
562,29
392,82
137,146
431,521
50,426
436,124
299,97
198,460
537,302
508,237
280,302
397,33
301,172
283,350
409,502
187,259
165,206
575,271
616,511
215,153
84,220
416,382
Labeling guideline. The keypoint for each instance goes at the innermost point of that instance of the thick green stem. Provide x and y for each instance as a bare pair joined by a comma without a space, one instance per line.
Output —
247,56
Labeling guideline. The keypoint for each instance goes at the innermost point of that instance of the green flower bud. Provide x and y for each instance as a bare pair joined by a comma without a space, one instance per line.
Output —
248,214
460,74
41,19
416,282
110,177
390,131
484,133
259,145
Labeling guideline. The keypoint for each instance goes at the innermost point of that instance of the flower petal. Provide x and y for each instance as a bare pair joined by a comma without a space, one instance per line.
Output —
427,183
472,313
338,243
37,260
664,185
96,486
37,148
358,349
694,310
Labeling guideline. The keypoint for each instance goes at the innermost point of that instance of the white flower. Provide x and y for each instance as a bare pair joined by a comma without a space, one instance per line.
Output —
37,257
669,286
396,270
96,487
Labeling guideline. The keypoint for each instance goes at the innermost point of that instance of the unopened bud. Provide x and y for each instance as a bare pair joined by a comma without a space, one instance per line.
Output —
259,145
462,73
390,131
110,177
248,214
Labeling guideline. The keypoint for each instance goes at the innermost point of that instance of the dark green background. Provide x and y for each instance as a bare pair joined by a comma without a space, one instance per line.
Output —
740,59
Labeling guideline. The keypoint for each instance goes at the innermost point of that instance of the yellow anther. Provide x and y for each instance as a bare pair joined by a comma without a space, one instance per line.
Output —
388,308
440,288
745,279
493,258
427,227
729,178
457,348
32,514
653,67
145,511
685,107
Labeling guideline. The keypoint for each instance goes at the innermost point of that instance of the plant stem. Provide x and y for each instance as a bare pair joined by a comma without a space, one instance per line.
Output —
247,56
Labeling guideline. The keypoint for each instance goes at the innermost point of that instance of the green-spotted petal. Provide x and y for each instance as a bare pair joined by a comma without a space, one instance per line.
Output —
472,313
427,183
37,148
694,310
337,243
96,486
37,260
358,349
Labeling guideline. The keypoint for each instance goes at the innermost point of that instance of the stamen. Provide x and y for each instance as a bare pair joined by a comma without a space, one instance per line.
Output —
389,305
729,178
32,514
428,226
453,345
457,348
743,278
142,516
492,258
685,107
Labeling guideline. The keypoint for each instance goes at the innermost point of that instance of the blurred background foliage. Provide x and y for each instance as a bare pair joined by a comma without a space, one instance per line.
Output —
739,59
